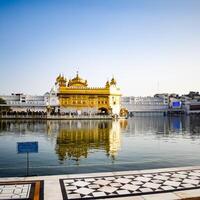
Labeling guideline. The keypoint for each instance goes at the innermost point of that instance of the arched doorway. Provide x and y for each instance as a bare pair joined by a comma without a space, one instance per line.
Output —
103,111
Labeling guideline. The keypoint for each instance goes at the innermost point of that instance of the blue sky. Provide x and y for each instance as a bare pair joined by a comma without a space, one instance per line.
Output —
150,46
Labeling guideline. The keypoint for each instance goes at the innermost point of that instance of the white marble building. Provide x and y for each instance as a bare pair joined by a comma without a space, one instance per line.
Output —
23,102
135,105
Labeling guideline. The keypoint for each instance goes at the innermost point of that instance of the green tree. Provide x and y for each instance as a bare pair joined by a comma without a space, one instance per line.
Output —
2,107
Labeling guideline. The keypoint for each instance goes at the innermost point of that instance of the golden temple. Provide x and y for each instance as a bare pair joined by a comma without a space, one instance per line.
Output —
76,96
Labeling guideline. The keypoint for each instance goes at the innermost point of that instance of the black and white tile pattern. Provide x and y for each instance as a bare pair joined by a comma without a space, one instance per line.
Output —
22,190
15,191
127,185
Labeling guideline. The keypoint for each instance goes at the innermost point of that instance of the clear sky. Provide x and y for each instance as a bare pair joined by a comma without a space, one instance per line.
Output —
150,46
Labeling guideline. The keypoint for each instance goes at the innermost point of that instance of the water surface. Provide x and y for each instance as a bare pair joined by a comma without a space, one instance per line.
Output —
92,146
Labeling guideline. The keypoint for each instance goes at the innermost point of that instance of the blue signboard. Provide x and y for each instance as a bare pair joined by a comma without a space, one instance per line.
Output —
27,147
176,104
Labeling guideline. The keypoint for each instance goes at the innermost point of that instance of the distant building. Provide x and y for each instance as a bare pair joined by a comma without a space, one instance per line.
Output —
22,102
145,105
191,102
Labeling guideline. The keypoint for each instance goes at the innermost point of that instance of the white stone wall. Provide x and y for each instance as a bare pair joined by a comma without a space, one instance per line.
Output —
140,104
114,100
23,102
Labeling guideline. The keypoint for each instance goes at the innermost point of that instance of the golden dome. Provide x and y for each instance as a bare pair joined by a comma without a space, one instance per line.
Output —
77,82
107,84
113,81
58,78
61,80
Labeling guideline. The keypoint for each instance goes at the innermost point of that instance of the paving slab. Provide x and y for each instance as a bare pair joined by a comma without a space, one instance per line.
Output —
26,190
166,184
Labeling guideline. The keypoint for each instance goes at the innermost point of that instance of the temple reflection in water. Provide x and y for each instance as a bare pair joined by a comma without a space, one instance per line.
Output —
77,139
85,140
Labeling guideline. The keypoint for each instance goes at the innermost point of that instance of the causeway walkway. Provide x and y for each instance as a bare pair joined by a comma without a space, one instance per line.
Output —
155,184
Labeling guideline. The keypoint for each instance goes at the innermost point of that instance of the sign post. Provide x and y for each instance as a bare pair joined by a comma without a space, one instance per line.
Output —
27,147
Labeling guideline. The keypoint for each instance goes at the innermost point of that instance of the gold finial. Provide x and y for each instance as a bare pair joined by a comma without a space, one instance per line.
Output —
107,84
113,81
77,74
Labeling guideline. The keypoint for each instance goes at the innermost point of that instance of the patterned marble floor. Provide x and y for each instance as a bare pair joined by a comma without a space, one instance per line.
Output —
30,190
129,185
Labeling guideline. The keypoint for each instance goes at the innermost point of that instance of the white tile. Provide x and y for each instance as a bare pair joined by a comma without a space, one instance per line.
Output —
89,179
146,190
109,178
176,179
115,184
7,191
171,183
123,192
23,196
195,182
80,183
102,182
93,186
165,174
158,190
179,175
17,191
143,179
182,172
87,196
196,171
84,191
123,180
3,197
10,186
136,183
71,187
147,175
187,185
68,181
164,178
73,196
99,194
130,187
194,174
157,181
151,185
193,177
107,189
15,196
130,176
167,188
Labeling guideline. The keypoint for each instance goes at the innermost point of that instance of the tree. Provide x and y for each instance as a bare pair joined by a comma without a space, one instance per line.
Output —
2,101
2,107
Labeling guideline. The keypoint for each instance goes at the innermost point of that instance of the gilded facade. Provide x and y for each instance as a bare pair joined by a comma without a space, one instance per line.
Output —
76,96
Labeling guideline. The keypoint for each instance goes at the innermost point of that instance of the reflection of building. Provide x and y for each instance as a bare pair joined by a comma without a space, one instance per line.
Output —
78,138
164,125
75,96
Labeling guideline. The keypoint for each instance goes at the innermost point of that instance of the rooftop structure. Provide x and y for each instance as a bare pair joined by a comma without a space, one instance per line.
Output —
76,96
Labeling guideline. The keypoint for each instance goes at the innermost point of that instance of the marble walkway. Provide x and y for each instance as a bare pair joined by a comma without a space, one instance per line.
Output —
167,184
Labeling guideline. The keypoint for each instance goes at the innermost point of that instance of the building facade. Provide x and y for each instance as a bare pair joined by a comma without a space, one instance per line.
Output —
76,96
35,103
144,105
